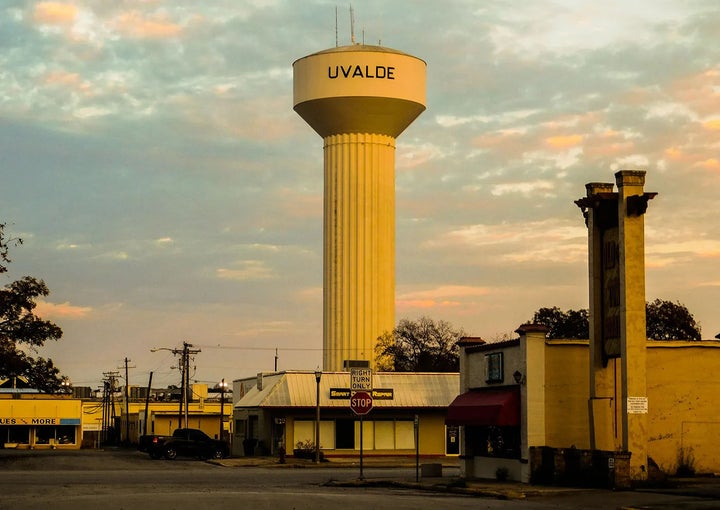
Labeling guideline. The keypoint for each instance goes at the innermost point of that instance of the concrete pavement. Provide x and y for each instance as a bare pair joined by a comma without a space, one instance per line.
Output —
448,482
706,488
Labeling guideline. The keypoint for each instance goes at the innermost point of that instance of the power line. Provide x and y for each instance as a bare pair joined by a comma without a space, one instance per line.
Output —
235,347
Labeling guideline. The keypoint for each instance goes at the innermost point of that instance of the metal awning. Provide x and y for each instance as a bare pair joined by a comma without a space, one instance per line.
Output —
497,406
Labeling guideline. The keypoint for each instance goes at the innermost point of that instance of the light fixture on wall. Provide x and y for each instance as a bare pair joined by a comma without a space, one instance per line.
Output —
517,375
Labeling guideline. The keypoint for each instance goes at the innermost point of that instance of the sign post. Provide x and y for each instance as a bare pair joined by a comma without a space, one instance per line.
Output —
361,403
416,426
361,400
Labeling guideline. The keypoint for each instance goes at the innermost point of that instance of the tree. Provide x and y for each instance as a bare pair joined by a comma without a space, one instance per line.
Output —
419,346
561,324
670,321
21,331
665,320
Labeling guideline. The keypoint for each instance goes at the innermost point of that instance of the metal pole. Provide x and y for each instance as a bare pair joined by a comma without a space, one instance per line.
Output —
318,375
417,448
182,388
187,380
105,409
222,407
127,403
147,405
361,447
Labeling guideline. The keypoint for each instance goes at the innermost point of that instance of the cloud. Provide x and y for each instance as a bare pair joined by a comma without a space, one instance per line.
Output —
564,141
551,241
688,248
448,296
247,270
710,164
55,311
55,13
522,188
152,26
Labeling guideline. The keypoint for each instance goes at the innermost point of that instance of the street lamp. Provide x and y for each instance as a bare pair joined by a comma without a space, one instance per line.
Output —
318,375
66,386
183,392
222,385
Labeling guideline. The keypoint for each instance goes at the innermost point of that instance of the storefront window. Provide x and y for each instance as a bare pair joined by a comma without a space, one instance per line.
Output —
19,434
64,434
492,441
44,435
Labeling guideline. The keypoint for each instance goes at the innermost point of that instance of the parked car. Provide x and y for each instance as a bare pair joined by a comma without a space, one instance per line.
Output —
184,442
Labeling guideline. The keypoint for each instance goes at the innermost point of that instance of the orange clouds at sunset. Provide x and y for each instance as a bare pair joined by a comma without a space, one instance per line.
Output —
564,141
710,164
405,305
54,311
54,13
136,25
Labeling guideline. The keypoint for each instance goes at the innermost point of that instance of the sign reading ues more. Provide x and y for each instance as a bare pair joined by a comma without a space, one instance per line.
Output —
361,403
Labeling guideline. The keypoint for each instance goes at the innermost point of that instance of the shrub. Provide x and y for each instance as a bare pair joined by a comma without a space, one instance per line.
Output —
686,463
502,474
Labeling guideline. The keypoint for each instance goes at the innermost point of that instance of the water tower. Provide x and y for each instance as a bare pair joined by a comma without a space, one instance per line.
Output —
359,98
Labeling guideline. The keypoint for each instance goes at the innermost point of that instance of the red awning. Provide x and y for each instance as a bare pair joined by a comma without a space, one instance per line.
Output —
498,407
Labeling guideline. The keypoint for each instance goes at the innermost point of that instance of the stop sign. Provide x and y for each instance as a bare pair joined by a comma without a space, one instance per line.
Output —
361,402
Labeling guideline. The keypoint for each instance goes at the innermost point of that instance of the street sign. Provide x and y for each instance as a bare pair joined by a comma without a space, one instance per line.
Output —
361,403
361,379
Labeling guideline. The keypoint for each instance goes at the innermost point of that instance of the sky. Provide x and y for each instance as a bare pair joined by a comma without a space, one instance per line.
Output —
166,191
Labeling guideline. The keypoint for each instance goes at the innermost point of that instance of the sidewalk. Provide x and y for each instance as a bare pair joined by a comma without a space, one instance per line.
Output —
446,483
707,488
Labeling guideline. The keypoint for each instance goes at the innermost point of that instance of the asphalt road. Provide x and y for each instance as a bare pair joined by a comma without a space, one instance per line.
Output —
128,479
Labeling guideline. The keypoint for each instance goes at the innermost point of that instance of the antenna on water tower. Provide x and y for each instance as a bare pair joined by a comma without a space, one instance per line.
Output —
381,27
336,29
352,25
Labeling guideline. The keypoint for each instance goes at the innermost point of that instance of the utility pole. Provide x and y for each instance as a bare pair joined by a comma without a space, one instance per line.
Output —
184,366
110,383
223,384
186,353
127,401
147,405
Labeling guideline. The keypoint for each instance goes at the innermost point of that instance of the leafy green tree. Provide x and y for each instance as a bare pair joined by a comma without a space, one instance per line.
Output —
23,332
665,321
419,346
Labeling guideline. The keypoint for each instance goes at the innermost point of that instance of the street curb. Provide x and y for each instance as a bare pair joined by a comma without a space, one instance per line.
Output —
394,484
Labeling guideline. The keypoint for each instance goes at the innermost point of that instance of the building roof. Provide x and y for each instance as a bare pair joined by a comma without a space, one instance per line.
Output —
298,389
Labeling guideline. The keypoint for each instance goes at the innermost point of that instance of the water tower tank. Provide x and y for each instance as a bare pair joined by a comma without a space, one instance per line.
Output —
358,98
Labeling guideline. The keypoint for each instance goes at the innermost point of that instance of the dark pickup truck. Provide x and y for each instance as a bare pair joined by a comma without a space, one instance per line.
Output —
184,442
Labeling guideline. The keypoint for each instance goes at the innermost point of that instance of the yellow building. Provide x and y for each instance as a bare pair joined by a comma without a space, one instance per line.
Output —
160,415
34,420
279,409
534,392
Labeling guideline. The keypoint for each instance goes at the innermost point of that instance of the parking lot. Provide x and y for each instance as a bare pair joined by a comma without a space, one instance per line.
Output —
124,478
